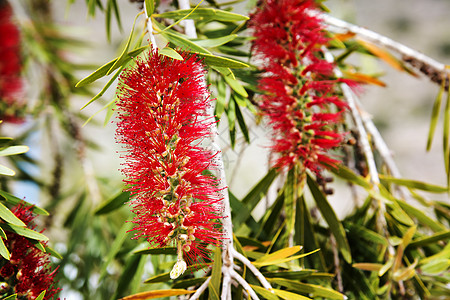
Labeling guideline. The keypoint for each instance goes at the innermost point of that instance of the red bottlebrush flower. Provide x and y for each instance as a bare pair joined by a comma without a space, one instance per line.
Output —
300,94
28,271
162,121
10,66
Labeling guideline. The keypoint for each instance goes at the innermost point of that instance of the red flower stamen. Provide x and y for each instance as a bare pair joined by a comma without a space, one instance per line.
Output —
300,93
28,272
162,121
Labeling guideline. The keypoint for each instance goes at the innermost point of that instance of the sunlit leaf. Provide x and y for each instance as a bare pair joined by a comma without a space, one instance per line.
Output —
14,150
435,115
157,294
149,7
9,217
23,231
363,78
169,52
114,203
382,54
216,276
203,14
217,41
330,217
440,236
41,295
3,250
14,201
266,294
6,171
289,296
414,184
306,288
368,266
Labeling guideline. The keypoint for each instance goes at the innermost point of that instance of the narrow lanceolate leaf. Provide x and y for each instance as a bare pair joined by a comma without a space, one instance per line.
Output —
382,54
165,277
157,294
278,255
276,261
217,41
330,217
230,79
216,275
3,250
103,90
440,236
167,51
446,134
11,199
266,294
366,234
14,150
115,247
41,296
103,70
349,175
203,14
435,115
6,171
414,184
53,252
9,217
368,266
23,231
183,42
218,61
289,296
421,216
149,7
114,203
165,251
306,288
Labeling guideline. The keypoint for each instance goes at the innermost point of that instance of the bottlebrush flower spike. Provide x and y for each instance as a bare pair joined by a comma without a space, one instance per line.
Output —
162,121
28,271
301,96
10,66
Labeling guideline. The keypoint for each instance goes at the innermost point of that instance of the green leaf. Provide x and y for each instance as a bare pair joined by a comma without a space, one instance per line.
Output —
41,295
421,216
6,171
14,201
12,297
216,276
169,52
183,42
289,296
440,236
435,115
349,175
298,275
3,250
203,14
306,288
129,272
9,217
394,209
445,138
255,195
14,150
266,294
238,208
217,41
360,232
241,122
114,203
123,58
166,251
330,217
115,247
157,294
218,61
53,252
413,184
436,266
278,255
108,67
38,245
23,231
149,7
106,87
264,261
185,283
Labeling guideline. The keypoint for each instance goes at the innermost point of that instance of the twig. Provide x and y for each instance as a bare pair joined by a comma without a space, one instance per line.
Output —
244,284
200,289
253,269
150,29
351,101
433,69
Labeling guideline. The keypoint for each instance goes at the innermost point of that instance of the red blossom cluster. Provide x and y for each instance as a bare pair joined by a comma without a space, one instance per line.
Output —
162,121
28,272
10,66
299,92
